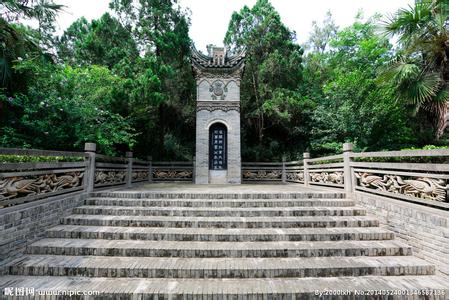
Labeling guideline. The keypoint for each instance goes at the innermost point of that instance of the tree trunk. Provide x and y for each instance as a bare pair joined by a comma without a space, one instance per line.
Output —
260,120
443,109
442,119
161,131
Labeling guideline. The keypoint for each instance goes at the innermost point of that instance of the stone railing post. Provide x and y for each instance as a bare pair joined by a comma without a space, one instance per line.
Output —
306,157
193,169
150,168
347,151
129,169
284,171
89,176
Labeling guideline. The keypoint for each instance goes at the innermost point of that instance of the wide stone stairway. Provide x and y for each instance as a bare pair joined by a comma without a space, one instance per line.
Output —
231,245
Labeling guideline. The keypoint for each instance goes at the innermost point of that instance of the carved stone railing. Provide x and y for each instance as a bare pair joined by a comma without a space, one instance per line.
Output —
64,172
260,171
412,175
420,176
172,171
27,181
140,171
294,171
110,171
326,171
27,175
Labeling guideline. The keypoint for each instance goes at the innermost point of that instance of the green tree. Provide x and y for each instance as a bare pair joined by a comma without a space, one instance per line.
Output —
321,35
420,74
273,70
65,107
162,84
16,41
102,42
351,105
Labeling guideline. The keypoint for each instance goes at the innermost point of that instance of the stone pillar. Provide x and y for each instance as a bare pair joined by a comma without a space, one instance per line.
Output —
347,151
89,175
284,171
193,168
150,168
129,169
218,78
306,157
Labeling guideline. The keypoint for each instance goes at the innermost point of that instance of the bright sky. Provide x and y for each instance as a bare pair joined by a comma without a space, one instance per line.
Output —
210,18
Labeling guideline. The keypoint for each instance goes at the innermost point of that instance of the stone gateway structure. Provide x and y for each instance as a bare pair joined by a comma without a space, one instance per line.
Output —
218,76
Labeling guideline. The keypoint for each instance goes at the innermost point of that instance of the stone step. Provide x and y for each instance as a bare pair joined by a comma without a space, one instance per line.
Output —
221,202
389,287
225,195
219,234
220,211
216,249
221,222
164,267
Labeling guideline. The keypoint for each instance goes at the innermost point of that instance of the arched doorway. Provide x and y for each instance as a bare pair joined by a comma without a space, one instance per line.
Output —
218,147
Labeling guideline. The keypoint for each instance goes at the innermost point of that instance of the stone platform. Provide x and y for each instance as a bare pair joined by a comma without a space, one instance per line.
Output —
172,241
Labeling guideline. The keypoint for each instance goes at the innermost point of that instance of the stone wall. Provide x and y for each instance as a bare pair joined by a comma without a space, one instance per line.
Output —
23,224
204,119
424,228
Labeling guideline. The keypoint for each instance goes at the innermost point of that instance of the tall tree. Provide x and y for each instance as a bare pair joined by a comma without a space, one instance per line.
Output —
163,85
15,40
321,35
350,104
273,71
420,73
65,107
102,42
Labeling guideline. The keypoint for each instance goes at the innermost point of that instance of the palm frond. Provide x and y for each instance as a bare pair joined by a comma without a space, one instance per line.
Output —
30,9
425,88
413,85
408,23
398,71
443,95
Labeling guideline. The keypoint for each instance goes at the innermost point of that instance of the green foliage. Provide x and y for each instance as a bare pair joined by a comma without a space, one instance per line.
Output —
66,107
125,82
29,158
102,42
351,106
420,74
161,84
321,35
273,71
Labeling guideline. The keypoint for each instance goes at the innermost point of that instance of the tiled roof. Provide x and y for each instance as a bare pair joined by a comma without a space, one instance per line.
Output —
211,62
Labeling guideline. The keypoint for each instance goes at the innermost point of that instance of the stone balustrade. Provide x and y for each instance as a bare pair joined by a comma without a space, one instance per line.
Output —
406,190
419,176
62,172
20,182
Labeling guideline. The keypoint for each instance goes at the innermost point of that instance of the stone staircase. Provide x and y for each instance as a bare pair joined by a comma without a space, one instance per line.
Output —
221,246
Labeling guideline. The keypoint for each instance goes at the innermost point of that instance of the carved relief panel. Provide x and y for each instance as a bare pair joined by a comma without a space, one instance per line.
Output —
218,90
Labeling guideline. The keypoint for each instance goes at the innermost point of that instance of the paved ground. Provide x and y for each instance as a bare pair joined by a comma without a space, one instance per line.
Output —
185,241
222,188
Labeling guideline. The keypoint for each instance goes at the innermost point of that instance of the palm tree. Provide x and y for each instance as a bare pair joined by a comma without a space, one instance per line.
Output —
420,74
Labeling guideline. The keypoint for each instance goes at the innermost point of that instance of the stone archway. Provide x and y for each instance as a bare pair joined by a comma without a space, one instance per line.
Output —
218,147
